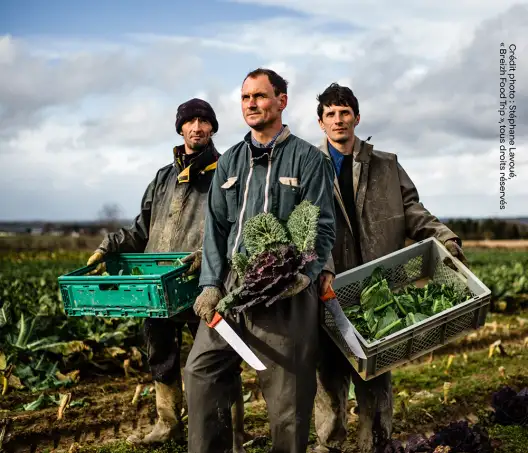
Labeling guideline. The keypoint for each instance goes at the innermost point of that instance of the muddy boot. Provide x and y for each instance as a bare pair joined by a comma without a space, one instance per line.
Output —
169,425
323,449
382,429
366,417
237,416
365,438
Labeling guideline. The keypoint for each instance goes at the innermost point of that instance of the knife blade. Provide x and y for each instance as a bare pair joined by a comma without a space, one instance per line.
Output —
228,334
342,323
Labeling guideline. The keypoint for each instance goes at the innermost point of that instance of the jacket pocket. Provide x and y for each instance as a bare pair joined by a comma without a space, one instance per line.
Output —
289,192
230,188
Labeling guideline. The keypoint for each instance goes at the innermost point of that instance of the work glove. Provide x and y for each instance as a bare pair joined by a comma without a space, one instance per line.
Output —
101,267
206,302
452,247
195,259
301,283
326,279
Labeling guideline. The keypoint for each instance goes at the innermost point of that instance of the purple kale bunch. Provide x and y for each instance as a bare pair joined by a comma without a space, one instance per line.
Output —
277,255
415,444
418,444
462,438
510,407
459,437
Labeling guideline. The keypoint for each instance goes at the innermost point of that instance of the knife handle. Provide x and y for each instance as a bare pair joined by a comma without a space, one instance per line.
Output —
329,295
216,319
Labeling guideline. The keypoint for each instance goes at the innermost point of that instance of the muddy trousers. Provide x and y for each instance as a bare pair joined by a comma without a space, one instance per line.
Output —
164,341
284,336
374,400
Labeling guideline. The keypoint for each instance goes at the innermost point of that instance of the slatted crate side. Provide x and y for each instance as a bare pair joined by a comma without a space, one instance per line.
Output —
161,291
424,260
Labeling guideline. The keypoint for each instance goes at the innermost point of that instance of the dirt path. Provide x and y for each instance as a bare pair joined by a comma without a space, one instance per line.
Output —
507,244
521,244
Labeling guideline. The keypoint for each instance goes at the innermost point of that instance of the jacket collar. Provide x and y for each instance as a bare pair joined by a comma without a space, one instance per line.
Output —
201,163
362,150
281,138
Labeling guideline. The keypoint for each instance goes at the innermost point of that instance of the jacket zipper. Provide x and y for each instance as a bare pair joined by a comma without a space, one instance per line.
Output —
268,174
246,192
242,211
345,244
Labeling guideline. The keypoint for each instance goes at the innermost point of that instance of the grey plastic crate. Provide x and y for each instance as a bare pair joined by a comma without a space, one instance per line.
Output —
419,263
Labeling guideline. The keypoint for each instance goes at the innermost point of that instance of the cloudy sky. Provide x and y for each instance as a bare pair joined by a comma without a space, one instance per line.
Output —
89,91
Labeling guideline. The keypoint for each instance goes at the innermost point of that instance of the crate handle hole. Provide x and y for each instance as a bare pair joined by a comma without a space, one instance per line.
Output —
108,287
165,263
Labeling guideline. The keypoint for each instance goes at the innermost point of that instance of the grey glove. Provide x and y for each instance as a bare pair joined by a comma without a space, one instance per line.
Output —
452,247
195,259
206,302
300,284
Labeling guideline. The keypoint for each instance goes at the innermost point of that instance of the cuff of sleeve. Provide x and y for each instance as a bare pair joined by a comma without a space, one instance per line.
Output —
329,265
104,246
210,281
452,238
310,275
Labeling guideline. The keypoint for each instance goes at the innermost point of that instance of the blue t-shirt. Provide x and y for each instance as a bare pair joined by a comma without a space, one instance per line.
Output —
337,158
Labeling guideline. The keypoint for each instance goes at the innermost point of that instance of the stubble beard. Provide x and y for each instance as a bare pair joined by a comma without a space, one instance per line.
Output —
200,146
263,125
259,126
342,140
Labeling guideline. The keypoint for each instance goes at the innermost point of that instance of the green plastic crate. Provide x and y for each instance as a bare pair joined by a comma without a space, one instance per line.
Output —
161,291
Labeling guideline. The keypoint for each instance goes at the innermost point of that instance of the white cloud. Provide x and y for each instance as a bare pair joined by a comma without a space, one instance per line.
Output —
31,80
420,28
86,122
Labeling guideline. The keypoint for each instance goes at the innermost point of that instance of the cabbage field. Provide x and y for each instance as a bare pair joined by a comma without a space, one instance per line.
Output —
81,384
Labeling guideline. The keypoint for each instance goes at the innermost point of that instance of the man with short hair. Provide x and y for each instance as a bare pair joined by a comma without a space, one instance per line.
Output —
172,220
270,170
377,208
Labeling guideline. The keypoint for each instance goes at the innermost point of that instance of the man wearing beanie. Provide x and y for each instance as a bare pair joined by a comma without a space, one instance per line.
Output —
172,220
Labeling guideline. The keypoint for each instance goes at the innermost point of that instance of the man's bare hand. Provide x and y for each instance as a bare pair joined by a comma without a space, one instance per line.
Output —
101,267
325,281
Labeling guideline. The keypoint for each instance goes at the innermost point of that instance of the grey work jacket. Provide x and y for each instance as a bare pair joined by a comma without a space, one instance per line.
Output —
172,210
243,187
388,209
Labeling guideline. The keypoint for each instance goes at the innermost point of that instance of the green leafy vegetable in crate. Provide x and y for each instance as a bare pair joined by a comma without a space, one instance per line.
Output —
277,254
137,270
382,312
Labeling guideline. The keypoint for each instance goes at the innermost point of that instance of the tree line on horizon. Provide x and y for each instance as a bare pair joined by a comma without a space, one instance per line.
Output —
480,229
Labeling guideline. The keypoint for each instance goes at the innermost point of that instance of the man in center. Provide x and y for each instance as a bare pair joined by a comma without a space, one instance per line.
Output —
270,170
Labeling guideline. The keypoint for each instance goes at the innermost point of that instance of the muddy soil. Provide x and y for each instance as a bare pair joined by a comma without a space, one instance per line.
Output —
107,414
